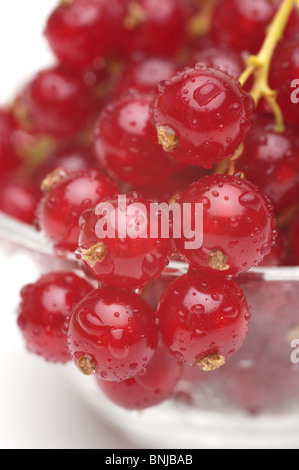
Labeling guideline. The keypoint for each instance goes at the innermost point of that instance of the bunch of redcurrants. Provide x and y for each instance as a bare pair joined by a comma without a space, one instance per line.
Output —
179,103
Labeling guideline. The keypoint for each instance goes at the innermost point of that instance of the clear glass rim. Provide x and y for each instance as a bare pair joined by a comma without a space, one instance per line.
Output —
25,236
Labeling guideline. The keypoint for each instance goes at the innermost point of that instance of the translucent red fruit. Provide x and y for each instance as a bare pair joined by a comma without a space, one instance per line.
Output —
126,143
145,74
57,102
83,33
271,161
238,225
242,25
155,385
112,332
9,159
153,27
227,59
19,197
70,156
203,319
121,241
284,78
67,197
202,115
43,310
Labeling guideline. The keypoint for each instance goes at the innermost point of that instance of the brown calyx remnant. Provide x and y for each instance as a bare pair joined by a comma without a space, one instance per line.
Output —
52,179
66,3
86,365
167,138
218,260
135,16
95,254
174,199
211,362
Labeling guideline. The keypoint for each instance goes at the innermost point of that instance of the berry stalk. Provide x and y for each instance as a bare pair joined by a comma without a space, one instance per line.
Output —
259,65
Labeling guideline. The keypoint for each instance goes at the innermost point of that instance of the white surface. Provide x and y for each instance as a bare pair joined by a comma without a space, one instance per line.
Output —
38,407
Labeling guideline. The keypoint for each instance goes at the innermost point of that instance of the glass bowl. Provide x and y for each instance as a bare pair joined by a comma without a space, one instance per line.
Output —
251,402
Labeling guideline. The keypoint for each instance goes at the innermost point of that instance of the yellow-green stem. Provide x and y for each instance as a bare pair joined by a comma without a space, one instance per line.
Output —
259,65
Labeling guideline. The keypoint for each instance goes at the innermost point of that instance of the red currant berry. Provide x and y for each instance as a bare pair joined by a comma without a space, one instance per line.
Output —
271,161
242,25
19,197
112,333
70,156
284,76
43,310
238,225
202,115
66,198
9,159
144,75
57,102
149,389
175,184
162,373
126,143
227,59
152,27
203,319
82,33
121,242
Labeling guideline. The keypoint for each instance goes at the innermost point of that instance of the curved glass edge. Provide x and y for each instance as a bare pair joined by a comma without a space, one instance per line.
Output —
25,236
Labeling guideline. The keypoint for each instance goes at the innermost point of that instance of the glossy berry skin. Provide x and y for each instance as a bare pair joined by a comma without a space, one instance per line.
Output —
44,308
271,161
242,25
118,247
19,197
70,156
153,28
200,316
60,209
227,59
57,102
202,115
9,159
82,34
147,389
126,143
284,76
116,330
145,74
238,225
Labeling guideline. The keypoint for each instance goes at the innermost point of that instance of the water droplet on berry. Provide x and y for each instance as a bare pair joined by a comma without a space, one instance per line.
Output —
251,200
266,249
197,309
206,93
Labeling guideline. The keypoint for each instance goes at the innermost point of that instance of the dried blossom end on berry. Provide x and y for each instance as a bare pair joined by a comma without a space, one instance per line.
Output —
52,179
86,365
95,254
218,260
167,138
211,362
135,17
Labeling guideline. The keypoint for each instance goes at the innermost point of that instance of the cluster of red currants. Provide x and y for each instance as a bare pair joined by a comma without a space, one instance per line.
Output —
146,100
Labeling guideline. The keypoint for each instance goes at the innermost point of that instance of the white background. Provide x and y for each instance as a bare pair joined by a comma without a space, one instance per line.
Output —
39,405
